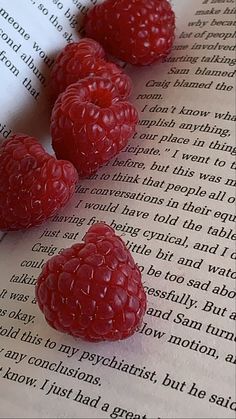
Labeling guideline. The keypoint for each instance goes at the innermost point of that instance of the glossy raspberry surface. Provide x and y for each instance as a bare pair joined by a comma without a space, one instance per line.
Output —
93,290
136,31
90,124
115,73
33,184
82,59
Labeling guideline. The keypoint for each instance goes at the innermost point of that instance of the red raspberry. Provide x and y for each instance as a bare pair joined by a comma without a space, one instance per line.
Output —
82,59
117,76
33,184
90,124
93,290
136,31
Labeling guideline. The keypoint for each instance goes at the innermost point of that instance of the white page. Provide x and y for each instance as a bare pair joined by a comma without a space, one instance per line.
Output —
32,33
185,346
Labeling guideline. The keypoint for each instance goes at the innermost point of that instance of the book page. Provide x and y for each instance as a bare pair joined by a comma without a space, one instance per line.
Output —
32,32
171,196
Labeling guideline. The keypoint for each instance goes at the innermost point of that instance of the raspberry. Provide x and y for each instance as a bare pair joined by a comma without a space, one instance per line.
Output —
90,124
33,184
118,77
93,290
135,31
82,59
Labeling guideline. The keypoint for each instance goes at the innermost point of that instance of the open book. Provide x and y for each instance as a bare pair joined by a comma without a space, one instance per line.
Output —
170,194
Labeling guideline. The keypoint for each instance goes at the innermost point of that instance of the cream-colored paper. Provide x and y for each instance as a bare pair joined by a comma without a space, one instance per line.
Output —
170,194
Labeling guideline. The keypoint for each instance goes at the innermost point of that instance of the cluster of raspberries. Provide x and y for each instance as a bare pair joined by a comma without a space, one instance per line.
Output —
92,119
94,289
